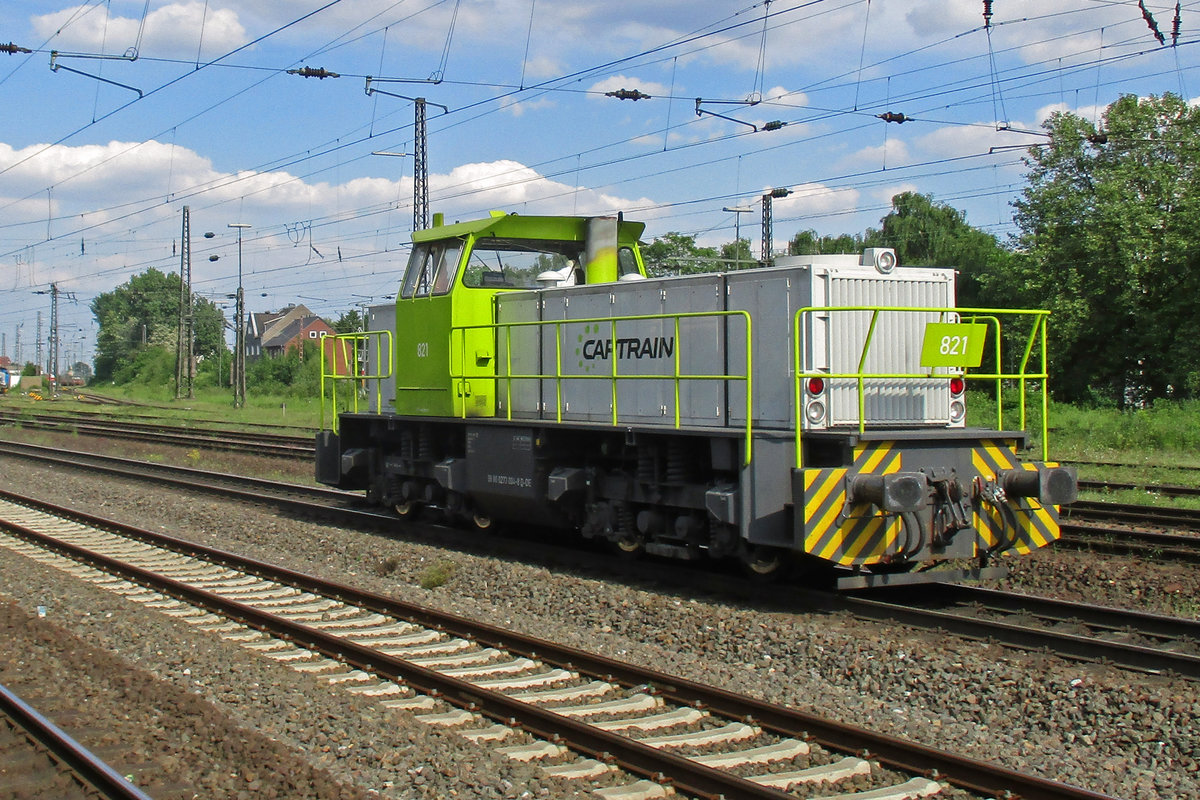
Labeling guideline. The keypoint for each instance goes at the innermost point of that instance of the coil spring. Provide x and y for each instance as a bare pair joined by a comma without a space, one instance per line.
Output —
678,468
647,464
626,519
425,445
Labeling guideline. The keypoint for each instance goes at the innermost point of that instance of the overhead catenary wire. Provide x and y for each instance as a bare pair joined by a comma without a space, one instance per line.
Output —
572,156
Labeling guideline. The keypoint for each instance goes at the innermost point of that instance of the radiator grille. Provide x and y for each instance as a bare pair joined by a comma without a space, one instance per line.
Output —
895,348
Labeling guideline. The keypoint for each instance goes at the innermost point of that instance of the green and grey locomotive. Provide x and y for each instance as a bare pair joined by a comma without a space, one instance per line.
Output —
810,411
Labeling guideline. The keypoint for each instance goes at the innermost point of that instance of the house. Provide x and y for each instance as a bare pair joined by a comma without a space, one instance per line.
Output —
273,333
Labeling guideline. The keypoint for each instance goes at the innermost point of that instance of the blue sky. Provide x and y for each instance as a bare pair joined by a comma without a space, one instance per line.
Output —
99,156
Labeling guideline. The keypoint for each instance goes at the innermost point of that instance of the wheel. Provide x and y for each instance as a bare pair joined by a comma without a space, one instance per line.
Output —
629,546
407,509
482,522
764,563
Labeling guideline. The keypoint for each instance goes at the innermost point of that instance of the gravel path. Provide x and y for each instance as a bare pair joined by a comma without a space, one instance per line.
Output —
1118,732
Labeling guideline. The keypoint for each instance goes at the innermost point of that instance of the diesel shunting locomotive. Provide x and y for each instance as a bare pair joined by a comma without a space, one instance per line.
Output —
812,411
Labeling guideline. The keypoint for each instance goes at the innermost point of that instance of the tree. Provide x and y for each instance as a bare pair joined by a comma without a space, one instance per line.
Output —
678,254
1107,229
737,255
349,322
144,313
926,233
810,243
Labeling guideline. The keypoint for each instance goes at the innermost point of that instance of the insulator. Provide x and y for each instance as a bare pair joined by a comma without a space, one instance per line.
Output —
628,94
313,72
892,116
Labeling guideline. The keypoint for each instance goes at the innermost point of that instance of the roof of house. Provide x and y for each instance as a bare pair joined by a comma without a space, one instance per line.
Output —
277,328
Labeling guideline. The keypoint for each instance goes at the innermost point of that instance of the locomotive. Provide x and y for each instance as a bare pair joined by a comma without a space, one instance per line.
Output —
811,412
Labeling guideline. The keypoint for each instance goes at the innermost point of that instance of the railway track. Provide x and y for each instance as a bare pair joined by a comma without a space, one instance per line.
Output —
42,760
1132,639
1167,647
258,443
1133,514
579,714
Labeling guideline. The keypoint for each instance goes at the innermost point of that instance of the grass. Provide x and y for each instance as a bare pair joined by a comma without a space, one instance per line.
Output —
437,574
211,407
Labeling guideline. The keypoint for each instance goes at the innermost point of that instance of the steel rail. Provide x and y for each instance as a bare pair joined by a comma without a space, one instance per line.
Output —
63,748
1148,659
267,445
903,755
1088,510
240,486
1164,489
684,774
1122,541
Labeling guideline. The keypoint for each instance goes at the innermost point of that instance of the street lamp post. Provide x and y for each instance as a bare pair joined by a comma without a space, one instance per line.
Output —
737,212
239,337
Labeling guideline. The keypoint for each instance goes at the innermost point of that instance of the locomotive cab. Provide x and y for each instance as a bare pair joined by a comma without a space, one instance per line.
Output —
451,281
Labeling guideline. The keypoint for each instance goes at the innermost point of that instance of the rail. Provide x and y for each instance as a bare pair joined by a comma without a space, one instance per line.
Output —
349,346
459,337
957,360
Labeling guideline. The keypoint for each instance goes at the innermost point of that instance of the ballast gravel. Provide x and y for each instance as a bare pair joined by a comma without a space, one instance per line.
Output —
1109,730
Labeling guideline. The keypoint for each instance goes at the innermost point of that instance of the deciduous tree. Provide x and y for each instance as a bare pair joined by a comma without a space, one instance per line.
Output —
1108,237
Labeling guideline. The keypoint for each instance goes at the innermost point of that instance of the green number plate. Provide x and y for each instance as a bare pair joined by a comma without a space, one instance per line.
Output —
953,344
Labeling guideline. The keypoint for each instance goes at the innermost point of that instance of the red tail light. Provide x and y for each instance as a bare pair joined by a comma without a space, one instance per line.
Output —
957,385
816,386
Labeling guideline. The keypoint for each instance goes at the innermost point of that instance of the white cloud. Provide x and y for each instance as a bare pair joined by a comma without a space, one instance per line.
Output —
954,141
173,30
890,153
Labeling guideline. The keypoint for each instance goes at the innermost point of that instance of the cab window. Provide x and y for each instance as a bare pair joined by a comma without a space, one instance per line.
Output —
516,263
627,262
431,269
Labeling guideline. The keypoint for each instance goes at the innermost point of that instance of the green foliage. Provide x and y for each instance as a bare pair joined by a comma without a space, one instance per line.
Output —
437,574
678,254
1169,427
809,243
144,313
349,322
737,254
29,369
297,373
1107,230
925,233
151,366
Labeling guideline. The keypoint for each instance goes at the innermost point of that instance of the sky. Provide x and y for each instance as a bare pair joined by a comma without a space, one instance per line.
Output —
124,112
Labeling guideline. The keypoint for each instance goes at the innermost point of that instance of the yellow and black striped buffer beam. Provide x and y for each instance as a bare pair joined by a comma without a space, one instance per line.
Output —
850,535
1024,524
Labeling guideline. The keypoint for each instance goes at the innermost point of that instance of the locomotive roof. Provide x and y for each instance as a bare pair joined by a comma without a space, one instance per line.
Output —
516,226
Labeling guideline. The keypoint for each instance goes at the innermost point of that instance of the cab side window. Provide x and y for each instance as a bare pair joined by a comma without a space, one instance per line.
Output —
447,267
627,262
417,277
431,269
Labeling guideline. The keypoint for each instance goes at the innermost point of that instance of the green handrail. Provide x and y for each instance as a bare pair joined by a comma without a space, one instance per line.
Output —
1038,331
458,337
350,344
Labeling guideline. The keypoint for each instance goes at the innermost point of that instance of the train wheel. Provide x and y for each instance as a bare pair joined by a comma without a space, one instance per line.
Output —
762,562
482,522
629,545
407,509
